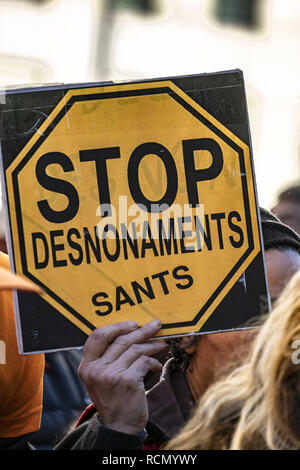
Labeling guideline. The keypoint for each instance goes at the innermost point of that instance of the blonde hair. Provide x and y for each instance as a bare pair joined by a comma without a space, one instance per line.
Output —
258,405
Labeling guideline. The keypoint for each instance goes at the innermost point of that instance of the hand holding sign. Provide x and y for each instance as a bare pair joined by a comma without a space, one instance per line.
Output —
114,364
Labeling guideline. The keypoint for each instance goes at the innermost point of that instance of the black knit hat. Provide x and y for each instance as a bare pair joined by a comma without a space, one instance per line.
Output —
276,234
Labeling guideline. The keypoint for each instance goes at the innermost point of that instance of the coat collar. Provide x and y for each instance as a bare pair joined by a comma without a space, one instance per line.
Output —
170,401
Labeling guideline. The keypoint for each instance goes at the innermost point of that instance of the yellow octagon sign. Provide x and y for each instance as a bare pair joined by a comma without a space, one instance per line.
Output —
133,202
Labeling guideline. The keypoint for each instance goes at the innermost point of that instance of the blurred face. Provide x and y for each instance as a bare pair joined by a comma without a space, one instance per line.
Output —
281,266
289,213
218,353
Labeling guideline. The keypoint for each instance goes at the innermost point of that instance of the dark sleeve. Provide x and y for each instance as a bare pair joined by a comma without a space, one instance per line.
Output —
16,443
92,435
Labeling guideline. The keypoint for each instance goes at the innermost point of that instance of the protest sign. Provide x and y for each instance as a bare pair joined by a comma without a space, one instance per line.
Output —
132,201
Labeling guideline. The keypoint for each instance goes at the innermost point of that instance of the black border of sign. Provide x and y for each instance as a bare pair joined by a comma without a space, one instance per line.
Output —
123,94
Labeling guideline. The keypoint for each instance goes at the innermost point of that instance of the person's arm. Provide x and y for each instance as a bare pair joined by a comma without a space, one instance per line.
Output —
21,384
16,443
92,435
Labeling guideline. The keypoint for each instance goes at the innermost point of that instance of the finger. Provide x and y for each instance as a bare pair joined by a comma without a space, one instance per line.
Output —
137,350
100,339
140,368
123,342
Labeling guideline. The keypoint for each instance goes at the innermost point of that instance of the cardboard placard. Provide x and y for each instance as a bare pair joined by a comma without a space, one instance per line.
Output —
132,201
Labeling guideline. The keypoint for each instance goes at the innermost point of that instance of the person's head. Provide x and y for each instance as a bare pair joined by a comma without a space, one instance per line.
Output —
282,252
220,351
257,406
287,207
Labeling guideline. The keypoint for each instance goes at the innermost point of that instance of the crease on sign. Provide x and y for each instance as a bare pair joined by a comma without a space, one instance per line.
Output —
41,133
67,117
214,88
77,176
35,127
243,282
